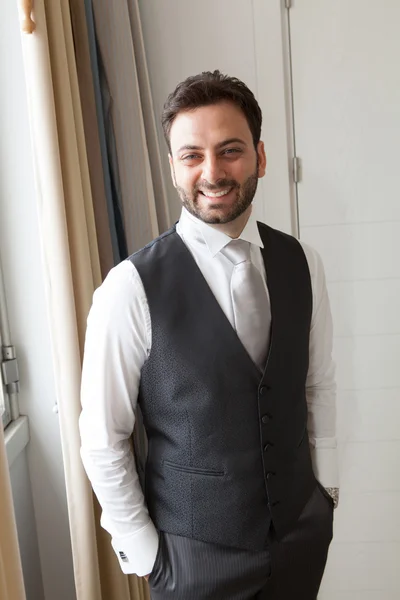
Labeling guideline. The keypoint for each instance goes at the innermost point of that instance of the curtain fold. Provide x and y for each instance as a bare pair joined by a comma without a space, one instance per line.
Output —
120,45
149,121
90,85
70,249
11,578
108,246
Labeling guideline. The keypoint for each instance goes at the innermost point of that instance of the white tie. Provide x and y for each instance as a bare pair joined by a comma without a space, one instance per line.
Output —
250,302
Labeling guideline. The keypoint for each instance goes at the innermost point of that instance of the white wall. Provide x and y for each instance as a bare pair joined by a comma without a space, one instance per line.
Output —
347,118
23,275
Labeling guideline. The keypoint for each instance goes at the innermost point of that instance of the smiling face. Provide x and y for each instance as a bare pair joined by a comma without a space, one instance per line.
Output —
214,165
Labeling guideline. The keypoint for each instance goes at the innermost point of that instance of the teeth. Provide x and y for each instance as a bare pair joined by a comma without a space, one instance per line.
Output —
216,194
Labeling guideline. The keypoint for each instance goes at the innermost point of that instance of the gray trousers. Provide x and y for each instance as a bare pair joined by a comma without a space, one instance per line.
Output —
290,569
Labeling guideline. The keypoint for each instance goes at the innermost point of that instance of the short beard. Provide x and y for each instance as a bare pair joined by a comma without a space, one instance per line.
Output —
244,197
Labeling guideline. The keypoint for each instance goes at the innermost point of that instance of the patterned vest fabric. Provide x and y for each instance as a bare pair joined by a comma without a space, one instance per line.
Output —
228,446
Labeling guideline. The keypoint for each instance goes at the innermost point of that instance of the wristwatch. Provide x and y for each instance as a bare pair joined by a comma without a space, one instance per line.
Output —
334,494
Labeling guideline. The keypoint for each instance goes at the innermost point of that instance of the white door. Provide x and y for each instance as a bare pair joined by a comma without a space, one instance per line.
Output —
346,86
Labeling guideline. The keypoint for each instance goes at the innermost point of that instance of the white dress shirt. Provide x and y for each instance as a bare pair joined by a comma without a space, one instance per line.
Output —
118,342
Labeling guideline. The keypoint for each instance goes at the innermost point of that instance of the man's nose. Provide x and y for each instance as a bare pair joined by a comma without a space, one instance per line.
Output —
213,170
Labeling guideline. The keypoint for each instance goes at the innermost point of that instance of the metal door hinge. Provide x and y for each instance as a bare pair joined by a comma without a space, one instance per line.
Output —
296,169
9,370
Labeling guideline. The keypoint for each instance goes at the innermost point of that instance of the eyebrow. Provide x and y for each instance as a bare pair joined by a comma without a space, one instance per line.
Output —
218,146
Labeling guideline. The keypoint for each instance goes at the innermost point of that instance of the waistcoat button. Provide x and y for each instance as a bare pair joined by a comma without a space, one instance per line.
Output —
265,419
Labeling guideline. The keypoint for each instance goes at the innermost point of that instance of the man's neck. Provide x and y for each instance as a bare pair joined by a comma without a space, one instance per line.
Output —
234,228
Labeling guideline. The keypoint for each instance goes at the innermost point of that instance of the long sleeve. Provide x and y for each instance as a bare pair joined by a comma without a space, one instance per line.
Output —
320,385
117,343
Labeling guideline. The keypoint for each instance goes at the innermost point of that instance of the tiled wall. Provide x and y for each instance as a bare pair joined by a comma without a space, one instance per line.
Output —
347,121
363,277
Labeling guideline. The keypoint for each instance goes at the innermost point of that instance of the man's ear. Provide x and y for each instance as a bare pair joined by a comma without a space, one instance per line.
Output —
262,159
171,166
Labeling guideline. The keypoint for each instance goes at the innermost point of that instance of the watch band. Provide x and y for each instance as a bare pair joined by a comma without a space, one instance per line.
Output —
334,494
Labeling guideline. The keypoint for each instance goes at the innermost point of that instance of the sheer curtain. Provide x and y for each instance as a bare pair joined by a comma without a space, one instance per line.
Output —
71,237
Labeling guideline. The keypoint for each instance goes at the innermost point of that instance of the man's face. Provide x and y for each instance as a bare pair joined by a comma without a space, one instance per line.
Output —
214,165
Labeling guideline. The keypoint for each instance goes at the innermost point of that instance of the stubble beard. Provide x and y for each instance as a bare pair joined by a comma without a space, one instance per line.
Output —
244,197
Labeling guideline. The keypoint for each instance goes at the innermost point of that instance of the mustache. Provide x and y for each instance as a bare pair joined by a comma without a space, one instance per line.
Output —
221,185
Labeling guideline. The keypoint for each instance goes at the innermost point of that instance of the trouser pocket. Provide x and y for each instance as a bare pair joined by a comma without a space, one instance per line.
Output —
155,573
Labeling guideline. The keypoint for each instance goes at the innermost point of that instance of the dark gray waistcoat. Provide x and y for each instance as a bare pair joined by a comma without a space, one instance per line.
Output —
227,445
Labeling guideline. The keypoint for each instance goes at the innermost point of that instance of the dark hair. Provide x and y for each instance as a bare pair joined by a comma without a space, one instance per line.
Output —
211,88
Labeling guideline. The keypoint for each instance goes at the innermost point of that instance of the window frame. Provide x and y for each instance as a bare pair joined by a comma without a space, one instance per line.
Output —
5,404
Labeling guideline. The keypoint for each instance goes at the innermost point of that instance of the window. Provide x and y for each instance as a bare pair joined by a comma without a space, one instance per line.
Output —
8,363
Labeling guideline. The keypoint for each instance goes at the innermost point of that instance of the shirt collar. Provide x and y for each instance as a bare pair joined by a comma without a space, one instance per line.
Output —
194,229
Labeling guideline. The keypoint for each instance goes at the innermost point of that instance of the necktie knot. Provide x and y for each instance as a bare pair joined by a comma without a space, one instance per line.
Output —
237,251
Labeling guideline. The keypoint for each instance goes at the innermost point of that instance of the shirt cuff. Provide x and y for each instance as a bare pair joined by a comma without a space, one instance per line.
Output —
137,553
325,467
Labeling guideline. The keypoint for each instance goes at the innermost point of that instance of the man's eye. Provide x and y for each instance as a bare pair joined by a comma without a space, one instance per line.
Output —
231,151
190,157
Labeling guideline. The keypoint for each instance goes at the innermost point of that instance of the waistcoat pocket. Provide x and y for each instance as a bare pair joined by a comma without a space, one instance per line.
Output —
193,470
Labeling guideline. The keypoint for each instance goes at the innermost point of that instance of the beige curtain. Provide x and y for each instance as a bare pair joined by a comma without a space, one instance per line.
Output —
11,580
71,260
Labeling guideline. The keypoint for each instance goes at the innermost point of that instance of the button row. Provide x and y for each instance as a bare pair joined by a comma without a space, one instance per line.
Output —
264,389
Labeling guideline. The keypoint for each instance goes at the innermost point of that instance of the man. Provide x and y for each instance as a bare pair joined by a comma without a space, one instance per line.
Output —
221,330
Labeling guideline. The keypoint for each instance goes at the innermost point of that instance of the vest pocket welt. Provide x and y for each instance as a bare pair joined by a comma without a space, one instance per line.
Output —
193,470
